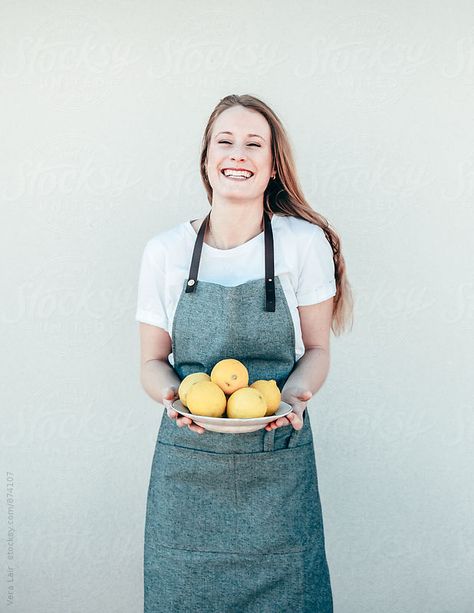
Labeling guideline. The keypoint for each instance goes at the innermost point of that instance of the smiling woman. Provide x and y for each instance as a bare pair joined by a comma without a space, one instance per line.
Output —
234,521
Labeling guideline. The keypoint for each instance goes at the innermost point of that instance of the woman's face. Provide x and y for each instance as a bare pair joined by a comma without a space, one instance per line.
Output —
246,145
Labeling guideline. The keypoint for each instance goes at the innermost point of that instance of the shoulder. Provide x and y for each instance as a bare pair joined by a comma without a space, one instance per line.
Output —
302,231
165,241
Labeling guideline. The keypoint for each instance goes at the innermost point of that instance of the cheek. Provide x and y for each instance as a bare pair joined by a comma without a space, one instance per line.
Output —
213,166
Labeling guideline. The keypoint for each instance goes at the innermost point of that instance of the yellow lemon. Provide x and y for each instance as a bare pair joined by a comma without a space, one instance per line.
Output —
206,398
230,375
271,392
246,402
188,382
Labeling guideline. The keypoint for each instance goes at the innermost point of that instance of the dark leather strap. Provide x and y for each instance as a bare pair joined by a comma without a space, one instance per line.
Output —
194,268
269,261
269,265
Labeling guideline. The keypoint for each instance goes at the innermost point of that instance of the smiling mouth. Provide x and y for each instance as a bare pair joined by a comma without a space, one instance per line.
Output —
236,175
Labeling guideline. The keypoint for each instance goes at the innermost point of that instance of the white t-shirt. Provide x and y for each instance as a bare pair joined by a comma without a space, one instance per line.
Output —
303,262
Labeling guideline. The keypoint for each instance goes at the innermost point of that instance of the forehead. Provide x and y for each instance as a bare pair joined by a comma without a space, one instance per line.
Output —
242,121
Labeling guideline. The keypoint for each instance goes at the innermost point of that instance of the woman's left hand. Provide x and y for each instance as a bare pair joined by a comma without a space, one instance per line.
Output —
298,399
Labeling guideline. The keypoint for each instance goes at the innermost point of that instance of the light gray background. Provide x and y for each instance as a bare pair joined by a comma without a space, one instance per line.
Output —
104,105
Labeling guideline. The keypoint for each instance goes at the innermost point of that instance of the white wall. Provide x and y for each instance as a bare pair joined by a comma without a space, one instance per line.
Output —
104,104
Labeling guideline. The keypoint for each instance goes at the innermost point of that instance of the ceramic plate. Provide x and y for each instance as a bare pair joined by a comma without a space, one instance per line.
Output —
230,425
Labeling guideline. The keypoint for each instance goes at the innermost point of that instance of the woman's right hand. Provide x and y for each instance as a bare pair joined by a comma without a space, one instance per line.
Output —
170,394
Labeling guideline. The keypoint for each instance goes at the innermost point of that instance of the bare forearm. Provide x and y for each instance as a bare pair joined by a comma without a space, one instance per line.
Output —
156,376
310,371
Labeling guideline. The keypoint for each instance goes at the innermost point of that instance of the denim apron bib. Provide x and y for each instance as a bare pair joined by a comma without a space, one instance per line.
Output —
233,521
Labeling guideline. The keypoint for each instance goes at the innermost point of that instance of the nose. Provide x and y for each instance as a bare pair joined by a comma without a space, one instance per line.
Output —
237,154
237,157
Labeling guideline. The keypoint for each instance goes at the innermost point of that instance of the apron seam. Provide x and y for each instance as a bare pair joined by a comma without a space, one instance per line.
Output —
236,454
292,327
242,553
173,327
217,453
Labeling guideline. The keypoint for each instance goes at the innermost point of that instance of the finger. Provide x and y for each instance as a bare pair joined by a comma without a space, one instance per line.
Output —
282,421
196,428
186,421
296,421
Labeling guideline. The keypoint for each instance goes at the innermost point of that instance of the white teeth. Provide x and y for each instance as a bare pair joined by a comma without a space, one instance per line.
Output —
237,174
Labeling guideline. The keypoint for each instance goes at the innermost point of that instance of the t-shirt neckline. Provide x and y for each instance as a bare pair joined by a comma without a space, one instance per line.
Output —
232,250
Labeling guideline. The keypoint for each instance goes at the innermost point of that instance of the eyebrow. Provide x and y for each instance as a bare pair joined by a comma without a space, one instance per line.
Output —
227,132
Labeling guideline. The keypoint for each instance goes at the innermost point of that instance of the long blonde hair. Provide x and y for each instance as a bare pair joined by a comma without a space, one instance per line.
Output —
284,196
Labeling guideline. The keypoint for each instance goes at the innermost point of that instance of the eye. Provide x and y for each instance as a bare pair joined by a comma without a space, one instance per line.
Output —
250,144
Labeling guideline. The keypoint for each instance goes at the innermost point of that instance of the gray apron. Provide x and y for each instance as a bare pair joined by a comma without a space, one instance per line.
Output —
233,521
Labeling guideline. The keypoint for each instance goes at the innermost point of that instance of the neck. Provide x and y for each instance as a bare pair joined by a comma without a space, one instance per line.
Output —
232,226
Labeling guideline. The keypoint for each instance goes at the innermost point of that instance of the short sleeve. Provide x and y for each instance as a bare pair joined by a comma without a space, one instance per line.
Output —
151,300
316,281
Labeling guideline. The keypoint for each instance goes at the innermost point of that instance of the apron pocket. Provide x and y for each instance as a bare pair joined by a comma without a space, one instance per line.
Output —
253,503
278,501
192,499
